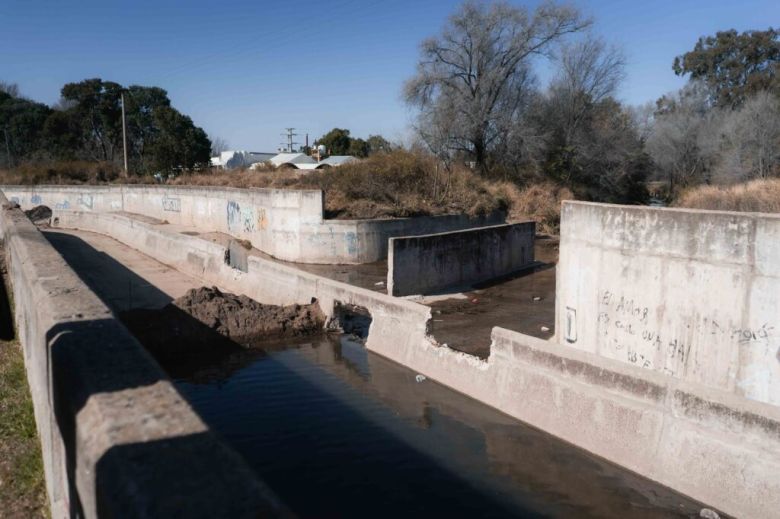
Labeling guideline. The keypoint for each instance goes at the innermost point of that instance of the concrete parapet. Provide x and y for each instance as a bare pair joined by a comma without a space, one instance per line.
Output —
286,223
692,294
432,262
117,438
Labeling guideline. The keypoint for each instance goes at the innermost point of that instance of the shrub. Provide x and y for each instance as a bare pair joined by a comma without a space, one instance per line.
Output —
761,196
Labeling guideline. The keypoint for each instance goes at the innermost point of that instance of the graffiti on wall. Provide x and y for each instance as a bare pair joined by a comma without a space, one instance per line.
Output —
245,219
36,199
62,205
86,200
171,204
630,329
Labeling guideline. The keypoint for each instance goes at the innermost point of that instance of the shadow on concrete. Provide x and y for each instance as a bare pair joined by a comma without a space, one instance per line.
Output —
7,330
117,286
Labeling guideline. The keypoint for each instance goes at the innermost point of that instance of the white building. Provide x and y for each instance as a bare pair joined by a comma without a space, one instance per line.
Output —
239,159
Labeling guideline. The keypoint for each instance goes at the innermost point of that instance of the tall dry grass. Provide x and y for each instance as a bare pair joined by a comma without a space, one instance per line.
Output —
762,196
540,202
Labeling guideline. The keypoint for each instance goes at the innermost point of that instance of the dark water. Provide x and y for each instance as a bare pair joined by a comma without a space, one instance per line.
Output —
338,431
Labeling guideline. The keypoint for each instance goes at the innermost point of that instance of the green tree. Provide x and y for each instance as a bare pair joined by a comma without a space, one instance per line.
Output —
734,65
336,141
22,120
378,144
358,148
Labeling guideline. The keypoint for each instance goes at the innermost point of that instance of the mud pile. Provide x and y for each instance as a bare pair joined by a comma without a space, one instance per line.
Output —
207,320
39,215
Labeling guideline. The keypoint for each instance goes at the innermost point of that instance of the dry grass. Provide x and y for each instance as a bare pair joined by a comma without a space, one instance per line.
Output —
755,196
540,202
397,184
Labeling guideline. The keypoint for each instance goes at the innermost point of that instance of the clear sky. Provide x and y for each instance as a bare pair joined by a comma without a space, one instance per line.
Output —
245,70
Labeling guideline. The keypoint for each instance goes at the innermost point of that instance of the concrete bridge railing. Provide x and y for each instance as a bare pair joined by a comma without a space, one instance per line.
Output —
118,440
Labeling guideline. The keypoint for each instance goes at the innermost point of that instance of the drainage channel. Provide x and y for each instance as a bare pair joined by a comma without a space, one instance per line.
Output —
338,431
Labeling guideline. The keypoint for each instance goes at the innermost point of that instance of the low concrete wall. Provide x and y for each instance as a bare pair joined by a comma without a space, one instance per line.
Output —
692,294
285,223
425,264
117,438
714,446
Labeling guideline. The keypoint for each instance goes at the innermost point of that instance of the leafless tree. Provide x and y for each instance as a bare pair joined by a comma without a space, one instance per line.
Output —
218,145
683,142
473,80
589,73
751,140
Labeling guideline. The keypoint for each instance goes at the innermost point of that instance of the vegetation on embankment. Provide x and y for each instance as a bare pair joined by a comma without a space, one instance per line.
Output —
761,196
22,485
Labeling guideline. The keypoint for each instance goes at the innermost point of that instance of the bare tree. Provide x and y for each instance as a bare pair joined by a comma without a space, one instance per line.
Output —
218,145
683,142
589,73
751,140
473,80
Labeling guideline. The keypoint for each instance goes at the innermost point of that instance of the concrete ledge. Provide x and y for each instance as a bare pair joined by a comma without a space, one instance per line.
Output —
433,262
117,438
285,223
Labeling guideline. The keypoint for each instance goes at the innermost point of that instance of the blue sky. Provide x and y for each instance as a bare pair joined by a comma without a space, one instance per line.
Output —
245,70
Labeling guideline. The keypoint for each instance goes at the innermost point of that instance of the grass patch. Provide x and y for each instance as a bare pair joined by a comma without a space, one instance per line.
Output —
22,485
761,196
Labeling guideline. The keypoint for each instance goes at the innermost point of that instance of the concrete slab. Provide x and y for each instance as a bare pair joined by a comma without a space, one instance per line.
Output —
121,276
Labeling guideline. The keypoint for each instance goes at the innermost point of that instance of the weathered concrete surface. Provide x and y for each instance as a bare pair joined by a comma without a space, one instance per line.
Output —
122,277
717,447
117,438
434,262
524,303
285,223
692,294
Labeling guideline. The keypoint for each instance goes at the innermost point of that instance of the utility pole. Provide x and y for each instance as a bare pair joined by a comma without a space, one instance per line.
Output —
289,145
7,148
124,133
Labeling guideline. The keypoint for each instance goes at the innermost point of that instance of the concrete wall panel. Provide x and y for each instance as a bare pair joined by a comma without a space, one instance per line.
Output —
432,262
691,294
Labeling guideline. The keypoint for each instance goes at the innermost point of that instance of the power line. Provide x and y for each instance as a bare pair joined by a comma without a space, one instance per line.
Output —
289,145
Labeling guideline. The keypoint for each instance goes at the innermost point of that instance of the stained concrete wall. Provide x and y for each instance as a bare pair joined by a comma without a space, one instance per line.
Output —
433,262
117,439
691,294
710,444
285,223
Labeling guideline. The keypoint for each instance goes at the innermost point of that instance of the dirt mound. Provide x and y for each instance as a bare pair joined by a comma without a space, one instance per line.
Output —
39,214
206,320
244,319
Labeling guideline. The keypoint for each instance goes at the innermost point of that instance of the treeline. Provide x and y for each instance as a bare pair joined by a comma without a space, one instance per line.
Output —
86,125
479,100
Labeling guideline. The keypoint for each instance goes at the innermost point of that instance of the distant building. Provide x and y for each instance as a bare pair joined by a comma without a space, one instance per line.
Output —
239,159
338,160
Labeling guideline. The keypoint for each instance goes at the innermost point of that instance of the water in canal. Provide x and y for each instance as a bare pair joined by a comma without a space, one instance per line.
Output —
338,431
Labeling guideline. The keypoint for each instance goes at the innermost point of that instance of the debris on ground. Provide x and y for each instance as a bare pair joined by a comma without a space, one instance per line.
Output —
39,215
537,298
420,378
205,319
545,329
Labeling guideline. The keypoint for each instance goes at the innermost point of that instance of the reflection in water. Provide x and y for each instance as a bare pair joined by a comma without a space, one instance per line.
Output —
338,431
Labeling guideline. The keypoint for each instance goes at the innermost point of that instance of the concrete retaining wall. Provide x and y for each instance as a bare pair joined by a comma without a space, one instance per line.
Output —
285,223
712,445
691,294
432,262
117,438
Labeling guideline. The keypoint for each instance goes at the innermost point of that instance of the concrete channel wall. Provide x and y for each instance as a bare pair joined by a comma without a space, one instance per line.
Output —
285,223
691,294
432,262
117,439
714,446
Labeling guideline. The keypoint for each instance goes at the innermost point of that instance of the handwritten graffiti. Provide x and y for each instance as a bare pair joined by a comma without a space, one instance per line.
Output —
233,215
629,327
86,201
16,200
62,205
36,199
171,204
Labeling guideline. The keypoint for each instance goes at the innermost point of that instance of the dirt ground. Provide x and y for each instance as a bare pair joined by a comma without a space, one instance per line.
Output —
525,303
